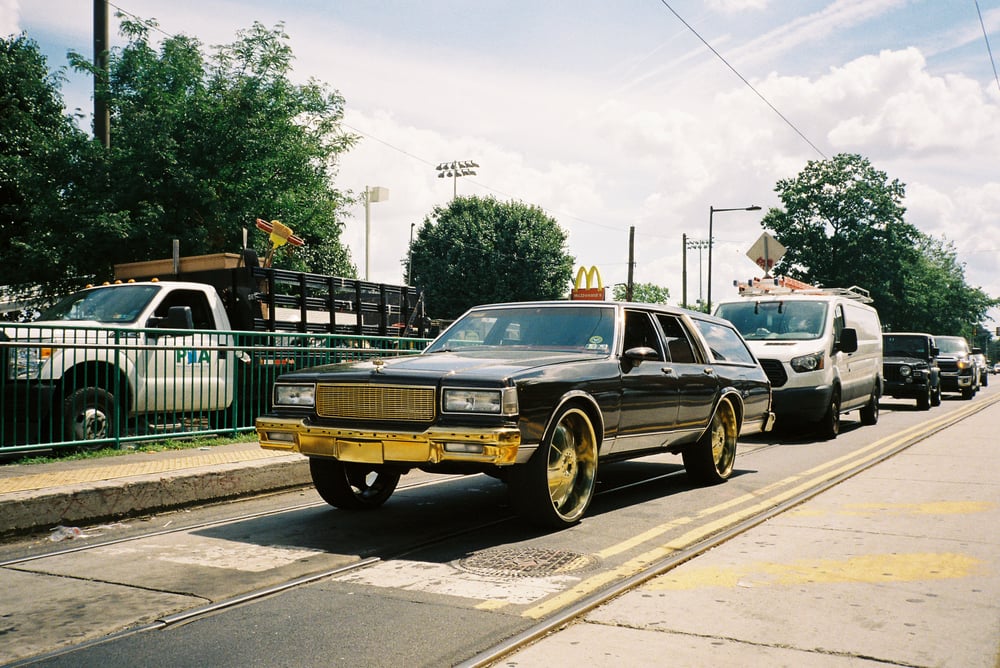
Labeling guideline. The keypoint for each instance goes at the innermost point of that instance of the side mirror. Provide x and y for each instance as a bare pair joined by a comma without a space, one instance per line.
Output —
935,351
848,340
178,317
977,351
636,355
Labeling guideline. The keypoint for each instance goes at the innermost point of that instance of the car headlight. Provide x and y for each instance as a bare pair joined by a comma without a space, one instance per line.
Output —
302,395
905,371
811,362
490,402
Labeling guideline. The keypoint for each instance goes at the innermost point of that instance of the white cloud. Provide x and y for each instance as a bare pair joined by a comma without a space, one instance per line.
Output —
10,12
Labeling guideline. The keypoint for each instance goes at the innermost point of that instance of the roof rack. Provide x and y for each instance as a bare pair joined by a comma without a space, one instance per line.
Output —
782,285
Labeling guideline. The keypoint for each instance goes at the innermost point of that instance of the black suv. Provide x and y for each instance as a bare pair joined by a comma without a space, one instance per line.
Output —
958,368
910,369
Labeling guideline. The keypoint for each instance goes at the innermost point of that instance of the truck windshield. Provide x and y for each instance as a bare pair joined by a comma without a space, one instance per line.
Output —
111,304
794,320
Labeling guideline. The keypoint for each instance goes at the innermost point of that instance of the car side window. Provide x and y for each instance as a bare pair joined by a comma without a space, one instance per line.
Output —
678,344
639,332
724,343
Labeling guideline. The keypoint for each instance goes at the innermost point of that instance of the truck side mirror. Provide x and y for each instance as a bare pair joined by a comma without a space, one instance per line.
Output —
179,317
848,340
935,351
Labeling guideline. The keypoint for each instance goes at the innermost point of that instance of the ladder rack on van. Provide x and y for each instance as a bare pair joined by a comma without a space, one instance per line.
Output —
790,286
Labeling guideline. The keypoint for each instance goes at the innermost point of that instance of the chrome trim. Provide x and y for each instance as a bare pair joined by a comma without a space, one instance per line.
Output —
501,445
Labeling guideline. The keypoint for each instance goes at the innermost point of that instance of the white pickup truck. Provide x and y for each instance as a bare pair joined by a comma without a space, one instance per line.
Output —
153,353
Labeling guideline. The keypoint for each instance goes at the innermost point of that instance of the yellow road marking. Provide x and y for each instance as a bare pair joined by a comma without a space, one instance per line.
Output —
867,569
638,564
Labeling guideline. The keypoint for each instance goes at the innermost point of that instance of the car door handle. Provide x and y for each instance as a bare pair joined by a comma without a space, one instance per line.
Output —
667,370
709,371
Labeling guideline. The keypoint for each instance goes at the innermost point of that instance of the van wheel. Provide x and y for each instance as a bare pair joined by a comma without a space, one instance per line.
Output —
352,486
869,412
829,425
554,488
710,460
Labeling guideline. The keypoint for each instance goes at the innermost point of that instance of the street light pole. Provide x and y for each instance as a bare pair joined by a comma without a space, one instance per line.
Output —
455,169
711,212
698,245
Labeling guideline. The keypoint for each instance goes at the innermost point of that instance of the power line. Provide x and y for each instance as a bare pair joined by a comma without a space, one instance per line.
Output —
743,79
988,49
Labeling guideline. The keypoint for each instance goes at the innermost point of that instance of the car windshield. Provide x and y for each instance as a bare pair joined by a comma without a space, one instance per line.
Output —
796,320
112,304
953,346
904,346
551,327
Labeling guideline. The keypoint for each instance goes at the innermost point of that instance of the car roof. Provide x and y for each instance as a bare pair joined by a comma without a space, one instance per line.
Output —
564,303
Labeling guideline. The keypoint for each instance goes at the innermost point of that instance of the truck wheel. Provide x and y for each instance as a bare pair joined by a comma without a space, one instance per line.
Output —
710,460
967,392
924,400
829,424
555,487
88,414
869,412
352,486
936,396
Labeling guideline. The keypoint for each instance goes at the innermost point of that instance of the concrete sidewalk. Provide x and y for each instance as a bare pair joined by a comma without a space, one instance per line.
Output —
38,497
899,566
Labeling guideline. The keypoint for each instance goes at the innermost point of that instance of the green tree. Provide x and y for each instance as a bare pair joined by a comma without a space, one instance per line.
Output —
478,250
202,146
842,223
45,174
647,293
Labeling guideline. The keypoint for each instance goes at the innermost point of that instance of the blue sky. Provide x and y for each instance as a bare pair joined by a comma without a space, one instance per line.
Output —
611,115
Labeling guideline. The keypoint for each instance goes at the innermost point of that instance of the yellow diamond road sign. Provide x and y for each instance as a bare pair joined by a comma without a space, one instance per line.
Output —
765,252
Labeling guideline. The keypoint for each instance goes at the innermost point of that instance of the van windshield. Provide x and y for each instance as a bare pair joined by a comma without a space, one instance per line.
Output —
793,320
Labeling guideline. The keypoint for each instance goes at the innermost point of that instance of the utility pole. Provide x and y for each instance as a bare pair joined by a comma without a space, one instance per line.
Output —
102,115
631,262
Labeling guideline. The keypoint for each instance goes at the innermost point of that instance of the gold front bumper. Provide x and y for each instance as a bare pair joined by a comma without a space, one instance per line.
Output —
500,446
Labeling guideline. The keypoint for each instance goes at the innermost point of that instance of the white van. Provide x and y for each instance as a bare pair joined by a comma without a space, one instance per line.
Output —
821,350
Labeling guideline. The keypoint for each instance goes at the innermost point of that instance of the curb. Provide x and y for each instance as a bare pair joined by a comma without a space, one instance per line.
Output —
26,512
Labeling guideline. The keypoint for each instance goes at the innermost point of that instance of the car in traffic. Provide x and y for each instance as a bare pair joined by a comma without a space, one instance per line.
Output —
958,368
537,394
982,368
909,368
821,349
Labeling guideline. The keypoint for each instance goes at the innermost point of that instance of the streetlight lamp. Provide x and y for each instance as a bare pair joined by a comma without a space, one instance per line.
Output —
372,194
699,245
711,212
455,169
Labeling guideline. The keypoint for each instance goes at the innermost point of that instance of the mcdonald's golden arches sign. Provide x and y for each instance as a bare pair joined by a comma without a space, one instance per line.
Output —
591,278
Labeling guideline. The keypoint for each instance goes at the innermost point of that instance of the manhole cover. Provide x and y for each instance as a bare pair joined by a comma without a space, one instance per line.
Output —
525,562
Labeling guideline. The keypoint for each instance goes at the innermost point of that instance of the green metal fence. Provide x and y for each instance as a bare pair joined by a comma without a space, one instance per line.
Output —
102,387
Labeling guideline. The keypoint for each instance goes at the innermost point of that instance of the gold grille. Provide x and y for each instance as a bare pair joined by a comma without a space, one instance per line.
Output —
375,402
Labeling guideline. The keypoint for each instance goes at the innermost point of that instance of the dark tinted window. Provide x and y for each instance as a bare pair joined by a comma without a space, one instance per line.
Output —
678,344
724,344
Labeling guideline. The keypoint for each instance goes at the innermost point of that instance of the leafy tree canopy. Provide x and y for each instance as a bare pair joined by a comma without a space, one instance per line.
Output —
201,146
478,250
842,223
44,172
647,293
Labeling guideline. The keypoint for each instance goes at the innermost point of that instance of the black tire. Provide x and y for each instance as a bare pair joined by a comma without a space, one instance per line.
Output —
924,400
936,395
352,486
869,412
555,487
968,392
985,380
829,424
88,414
710,460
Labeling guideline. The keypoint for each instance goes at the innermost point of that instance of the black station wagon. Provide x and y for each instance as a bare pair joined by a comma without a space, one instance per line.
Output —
537,394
